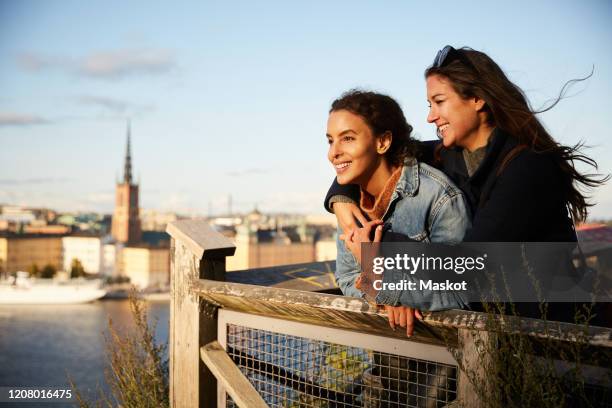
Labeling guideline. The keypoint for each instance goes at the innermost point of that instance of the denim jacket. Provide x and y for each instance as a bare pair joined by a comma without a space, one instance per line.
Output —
425,207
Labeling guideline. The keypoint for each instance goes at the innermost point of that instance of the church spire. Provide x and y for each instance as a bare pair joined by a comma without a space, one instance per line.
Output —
126,225
127,170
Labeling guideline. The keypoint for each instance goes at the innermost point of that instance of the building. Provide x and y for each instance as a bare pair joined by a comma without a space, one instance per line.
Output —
40,228
145,266
86,248
141,256
126,222
17,214
110,251
152,220
281,239
251,255
19,252
258,247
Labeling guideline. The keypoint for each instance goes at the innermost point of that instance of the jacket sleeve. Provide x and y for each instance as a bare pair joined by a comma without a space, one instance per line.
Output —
347,270
450,219
521,194
350,191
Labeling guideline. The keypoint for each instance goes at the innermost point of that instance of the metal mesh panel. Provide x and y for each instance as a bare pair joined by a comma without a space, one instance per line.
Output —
291,371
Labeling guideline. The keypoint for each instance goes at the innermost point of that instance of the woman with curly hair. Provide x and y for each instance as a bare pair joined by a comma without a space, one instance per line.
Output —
370,145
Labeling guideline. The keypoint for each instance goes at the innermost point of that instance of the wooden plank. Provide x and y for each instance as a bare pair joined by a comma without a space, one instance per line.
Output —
561,331
230,377
315,308
472,360
209,269
201,239
192,324
184,328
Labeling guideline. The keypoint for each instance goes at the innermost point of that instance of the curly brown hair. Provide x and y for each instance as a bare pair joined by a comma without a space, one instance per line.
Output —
382,114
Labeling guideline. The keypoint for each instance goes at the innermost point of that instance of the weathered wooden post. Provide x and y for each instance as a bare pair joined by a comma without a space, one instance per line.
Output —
471,345
197,252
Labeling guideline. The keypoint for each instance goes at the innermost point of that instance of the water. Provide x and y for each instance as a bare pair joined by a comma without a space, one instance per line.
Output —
40,346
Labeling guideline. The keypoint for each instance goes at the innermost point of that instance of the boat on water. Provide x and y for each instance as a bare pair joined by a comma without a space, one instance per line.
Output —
121,291
23,290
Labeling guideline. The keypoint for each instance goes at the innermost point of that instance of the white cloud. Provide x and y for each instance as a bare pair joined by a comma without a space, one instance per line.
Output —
121,63
21,119
116,106
41,180
114,64
37,62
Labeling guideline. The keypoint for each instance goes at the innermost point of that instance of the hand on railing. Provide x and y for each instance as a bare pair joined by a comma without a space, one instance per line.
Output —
403,316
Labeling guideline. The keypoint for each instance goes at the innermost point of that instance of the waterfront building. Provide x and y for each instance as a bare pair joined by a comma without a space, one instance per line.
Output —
282,239
19,252
258,247
86,248
110,251
8,226
145,266
126,222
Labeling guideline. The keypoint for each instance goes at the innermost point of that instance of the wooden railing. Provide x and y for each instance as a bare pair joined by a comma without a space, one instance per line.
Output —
199,289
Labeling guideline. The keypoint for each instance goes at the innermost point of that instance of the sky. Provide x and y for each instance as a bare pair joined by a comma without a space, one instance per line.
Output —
230,98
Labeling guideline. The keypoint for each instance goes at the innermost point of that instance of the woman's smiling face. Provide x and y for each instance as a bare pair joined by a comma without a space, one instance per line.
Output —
457,120
352,147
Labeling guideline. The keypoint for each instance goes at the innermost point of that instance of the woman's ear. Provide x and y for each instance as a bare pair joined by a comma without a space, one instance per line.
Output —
383,142
479,104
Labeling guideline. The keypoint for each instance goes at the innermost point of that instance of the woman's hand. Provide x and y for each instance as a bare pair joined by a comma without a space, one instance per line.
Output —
356,236
347,214
403,316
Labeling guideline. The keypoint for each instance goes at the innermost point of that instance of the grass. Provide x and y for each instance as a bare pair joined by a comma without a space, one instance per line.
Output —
137,371
518,369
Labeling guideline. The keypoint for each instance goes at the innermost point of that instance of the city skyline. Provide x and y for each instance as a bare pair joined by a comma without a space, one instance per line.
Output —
231,99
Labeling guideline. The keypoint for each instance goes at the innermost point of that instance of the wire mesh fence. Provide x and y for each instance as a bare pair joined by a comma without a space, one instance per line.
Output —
292,371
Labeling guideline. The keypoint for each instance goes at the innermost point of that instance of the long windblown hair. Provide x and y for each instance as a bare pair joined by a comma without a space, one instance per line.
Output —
477,75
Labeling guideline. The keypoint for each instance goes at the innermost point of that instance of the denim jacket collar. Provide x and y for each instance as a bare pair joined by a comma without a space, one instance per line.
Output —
408,183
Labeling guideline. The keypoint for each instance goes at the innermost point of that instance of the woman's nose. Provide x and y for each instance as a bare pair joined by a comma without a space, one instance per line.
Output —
432,116
334,151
